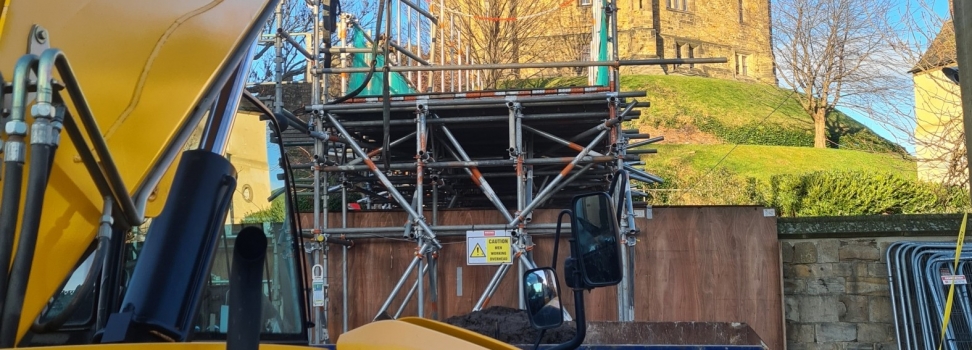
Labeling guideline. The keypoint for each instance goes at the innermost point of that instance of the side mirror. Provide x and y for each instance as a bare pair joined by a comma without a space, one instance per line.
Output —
596,235
542,295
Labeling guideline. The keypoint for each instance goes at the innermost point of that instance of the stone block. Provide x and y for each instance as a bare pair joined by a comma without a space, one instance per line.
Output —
828,251
805,253
884,249
836,332
856,308
865,249
874,332
792,286
856,346
877,270
868,286
853,269
826,285
880,309
799,333
811,346
791,308
886,346
822,270
786,250
796,271
819,308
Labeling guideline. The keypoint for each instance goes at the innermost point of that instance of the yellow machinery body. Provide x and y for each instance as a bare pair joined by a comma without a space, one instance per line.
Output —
144,66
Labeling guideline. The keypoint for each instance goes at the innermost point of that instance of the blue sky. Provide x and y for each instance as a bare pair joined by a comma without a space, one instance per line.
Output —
911,8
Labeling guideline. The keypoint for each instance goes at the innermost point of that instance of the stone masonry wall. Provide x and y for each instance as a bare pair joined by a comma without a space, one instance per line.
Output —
836,294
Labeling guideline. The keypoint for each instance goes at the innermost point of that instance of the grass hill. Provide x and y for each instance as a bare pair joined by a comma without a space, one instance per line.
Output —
729,142
762,162
698,110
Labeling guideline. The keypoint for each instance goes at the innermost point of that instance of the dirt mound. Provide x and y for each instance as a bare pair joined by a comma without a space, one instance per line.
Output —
510,325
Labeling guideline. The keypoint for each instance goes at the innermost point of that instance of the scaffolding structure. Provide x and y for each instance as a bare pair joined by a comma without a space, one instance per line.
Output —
449,144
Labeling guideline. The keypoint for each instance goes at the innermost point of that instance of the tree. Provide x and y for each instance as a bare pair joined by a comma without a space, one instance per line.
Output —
495,31
833,53
926,109
297,19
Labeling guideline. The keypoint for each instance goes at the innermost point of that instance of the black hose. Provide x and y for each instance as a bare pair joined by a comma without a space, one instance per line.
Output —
13,173
374,59
20,271
89,281
290,195
9,208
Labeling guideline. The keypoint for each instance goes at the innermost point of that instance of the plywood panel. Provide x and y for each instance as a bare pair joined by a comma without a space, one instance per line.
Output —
710,264
691,264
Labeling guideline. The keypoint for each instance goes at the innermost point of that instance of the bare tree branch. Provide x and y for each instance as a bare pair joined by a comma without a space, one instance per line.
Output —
832,52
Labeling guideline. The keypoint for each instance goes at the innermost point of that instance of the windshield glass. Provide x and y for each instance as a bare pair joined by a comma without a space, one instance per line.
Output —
255,203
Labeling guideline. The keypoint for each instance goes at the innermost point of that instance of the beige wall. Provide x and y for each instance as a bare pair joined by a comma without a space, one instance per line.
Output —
938,114
247,151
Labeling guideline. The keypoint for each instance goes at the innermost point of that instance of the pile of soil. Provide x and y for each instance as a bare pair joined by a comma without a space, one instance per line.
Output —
511,326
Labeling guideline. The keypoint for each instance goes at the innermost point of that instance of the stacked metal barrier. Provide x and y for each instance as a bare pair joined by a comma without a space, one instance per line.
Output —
920,275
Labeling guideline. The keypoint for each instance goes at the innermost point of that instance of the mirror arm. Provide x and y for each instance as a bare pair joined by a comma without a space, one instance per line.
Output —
579,319
556,248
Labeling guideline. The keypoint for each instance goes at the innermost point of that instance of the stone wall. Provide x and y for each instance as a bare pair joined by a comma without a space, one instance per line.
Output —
737,30
836,294
835,286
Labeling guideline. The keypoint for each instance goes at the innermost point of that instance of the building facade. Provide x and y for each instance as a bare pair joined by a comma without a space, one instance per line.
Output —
939,136
739,30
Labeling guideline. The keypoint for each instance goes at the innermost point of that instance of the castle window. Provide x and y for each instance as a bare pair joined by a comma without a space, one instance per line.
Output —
741,17
678,5
742,64
691,54
584,2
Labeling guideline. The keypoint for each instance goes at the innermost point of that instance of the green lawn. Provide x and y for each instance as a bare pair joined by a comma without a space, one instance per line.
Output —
732,110
733,102
762,162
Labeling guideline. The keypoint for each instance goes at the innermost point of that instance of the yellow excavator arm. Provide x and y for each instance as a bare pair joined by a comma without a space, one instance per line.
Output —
147,71
144,67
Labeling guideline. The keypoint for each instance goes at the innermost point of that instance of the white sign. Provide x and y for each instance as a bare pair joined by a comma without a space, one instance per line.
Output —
489,248
317,284
949,279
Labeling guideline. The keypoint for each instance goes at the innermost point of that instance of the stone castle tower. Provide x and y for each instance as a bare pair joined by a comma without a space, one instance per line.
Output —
739,30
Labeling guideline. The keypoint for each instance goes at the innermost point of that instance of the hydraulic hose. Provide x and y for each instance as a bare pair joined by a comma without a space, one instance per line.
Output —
42,143
33,206
14,156
89,281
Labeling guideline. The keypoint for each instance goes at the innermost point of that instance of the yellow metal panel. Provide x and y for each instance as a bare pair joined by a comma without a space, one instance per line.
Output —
143,65
460,333
401,335
168,346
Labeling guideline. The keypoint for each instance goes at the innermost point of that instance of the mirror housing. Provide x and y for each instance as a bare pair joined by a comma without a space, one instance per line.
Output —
596,240
542,295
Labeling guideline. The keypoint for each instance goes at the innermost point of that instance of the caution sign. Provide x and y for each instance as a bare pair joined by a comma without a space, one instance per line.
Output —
477,252
489,248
